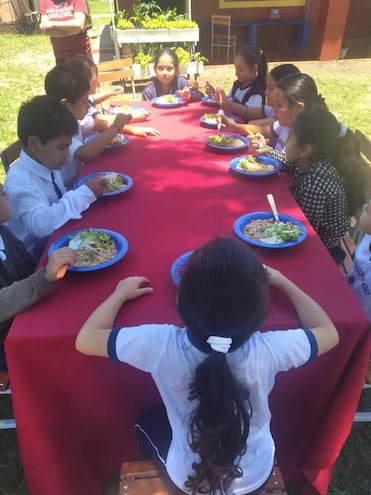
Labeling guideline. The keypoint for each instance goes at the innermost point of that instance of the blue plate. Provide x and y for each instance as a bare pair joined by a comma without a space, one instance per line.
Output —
161,102
123,140
177,267
229,149
212,123
128,182
120,241
244,220
265,160
209,102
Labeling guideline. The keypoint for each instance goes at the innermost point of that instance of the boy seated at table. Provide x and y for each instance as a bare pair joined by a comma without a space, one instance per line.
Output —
20,287
94,121
39,201
72,89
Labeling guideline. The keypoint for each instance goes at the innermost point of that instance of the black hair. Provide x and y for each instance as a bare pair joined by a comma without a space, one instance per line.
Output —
85,64
170,53
255,56
46,118
283,70
322,131
66,82
301,88
223,292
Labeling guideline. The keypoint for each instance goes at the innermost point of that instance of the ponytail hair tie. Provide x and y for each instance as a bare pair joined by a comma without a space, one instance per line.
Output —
219,344
343,129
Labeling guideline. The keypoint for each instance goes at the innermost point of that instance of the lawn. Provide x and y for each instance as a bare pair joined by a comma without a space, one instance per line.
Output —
346,87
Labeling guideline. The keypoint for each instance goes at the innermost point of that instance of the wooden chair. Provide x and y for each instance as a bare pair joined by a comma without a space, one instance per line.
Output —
120,70
221,36
142,478
5,424
10,154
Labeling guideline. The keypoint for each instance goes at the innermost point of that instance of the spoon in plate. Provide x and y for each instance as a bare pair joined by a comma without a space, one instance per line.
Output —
273,206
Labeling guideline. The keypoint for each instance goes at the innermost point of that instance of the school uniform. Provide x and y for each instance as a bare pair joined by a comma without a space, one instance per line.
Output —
39,202
166,352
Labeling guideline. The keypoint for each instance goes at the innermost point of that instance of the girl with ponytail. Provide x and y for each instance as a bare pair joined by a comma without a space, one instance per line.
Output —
215,374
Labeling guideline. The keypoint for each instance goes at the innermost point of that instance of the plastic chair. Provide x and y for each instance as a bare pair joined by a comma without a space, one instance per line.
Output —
221,36
120,70
10,154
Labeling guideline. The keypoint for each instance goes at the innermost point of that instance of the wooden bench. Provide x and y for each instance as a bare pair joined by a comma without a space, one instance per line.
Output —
142,478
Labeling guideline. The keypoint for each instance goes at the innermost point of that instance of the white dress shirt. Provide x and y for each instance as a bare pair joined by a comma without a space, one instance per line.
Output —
36,211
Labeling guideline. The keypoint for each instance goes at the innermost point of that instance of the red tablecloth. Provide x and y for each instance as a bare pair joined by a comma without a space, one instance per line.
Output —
75,414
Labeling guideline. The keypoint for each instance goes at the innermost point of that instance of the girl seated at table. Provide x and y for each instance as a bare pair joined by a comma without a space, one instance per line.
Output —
20,287
328,183
216,396
293,94
247,95
273,77
94,120
168,81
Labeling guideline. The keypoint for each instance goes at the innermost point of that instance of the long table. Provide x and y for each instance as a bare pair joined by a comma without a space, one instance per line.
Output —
75,414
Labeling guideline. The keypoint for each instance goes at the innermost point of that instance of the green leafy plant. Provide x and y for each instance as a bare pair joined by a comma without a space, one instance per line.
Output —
149,15
198,57
144,59
183,55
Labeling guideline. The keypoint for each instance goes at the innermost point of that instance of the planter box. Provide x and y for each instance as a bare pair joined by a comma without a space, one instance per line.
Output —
130,36
143,72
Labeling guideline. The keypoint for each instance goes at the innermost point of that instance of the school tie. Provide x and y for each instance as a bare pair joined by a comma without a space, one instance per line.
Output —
56,188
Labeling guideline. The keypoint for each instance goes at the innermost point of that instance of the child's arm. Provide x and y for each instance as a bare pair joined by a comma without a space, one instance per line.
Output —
100,97
311,315
22,294
89,151
245,112
93,337
102,122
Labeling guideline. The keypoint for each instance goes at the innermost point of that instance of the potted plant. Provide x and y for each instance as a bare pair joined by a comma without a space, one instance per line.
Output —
196,64
142,65
184,58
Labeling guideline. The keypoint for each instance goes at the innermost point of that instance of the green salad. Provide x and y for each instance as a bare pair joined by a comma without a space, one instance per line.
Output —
114,182
276,233
224,140
92,239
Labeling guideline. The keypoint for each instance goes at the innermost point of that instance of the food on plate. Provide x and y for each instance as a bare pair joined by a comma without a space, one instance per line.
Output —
169,99
116,140
224,140
250,164
210,117
114,182
269,232
94,247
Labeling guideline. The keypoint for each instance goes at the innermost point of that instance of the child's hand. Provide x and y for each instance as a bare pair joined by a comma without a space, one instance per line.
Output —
275,277
209,90
140,115
258,143
220,97
59,258
118,90
227,122
184,93
133,287
122,119
142,131
97,184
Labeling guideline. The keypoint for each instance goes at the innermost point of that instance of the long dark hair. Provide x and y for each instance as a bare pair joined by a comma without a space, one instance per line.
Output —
282,70
301,88
223,292
322,131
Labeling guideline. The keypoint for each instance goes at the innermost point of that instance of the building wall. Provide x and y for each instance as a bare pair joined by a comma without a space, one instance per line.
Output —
328,20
